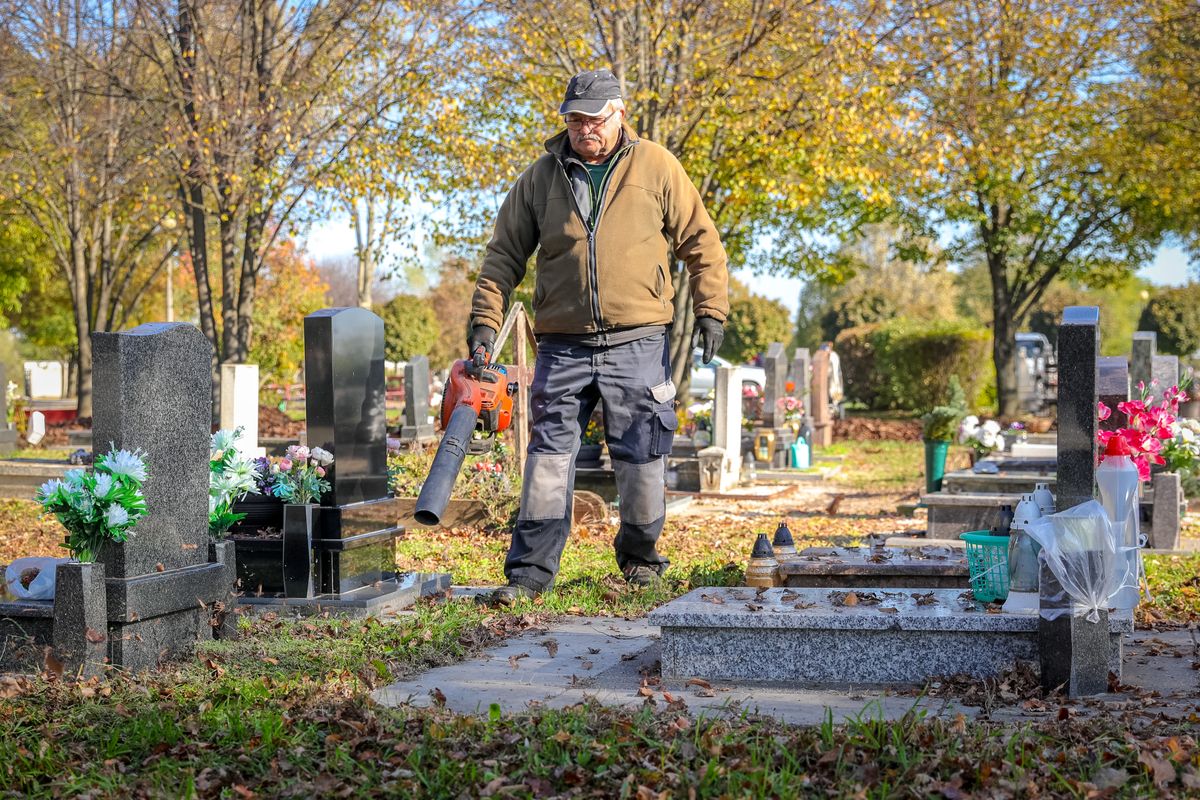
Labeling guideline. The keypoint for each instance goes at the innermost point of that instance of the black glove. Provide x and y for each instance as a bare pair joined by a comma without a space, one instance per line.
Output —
708,334
481,336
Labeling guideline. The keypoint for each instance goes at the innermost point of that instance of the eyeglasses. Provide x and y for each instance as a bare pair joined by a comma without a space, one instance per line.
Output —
577,123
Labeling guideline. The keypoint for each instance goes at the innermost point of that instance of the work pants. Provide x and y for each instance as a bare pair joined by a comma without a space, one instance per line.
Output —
632,381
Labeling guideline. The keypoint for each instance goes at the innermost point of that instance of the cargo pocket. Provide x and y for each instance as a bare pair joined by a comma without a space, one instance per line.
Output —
664,432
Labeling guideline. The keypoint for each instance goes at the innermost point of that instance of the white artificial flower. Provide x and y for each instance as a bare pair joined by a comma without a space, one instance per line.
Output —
123,462
116,516
987,439
73,480
221,441
321,456
212,505
50,489
104,484
1186,435
991,426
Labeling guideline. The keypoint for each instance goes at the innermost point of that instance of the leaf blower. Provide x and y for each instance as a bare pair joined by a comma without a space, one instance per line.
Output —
477,396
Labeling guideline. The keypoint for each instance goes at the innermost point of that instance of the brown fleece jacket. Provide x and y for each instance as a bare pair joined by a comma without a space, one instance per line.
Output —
650,212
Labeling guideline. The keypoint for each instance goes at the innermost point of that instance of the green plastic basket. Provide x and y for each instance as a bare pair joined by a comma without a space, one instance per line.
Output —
987,560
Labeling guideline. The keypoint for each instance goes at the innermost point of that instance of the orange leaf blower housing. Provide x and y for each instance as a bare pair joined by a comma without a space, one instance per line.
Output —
478,395
489,393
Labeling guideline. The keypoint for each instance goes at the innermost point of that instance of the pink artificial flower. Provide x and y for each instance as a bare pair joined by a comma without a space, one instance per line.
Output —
1103,412
320,472
285,464
1143,467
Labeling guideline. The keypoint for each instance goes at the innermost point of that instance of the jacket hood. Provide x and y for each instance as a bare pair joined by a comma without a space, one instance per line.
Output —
559,145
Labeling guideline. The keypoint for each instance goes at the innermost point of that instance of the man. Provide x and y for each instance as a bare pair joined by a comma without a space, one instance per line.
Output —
606,212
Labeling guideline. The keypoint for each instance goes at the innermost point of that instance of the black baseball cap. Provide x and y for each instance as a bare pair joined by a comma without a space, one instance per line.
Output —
589,92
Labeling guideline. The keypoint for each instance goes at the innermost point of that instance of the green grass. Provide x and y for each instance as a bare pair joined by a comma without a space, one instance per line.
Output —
283,710
1174,586
200,732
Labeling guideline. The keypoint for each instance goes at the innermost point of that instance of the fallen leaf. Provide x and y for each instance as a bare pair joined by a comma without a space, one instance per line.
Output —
551,646
439,696
513,660
95,637
851,599
645,691
698,682
159,567
1160,768
889,610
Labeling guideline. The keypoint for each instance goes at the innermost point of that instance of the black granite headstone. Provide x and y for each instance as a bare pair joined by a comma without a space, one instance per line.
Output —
776,367
1074,653
1078,349
416,400
345,409
1112,389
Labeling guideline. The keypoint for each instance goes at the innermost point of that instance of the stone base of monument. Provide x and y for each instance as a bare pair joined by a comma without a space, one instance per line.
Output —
817,474
819,636
353,547
877,567
377,600
21,479
1017,482
135,623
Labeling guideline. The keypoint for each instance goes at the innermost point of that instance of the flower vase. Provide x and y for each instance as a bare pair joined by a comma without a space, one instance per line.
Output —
297,550
935,464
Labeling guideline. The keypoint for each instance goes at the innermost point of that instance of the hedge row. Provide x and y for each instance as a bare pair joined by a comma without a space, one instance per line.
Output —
907,365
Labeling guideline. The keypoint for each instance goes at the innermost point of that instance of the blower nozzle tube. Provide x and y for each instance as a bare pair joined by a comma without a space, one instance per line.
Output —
435,492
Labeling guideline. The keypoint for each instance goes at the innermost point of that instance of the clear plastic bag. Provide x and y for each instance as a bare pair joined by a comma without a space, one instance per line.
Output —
1079,546
42,586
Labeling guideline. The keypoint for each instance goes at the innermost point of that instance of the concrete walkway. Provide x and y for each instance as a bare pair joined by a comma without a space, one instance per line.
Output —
613,661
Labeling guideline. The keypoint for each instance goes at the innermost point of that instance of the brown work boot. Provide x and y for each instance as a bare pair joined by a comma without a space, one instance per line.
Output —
642,576
506,596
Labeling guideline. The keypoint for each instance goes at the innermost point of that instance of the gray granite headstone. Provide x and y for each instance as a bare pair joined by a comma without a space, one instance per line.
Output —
416,400
775,365
1078,349
801,375
1164,517
8,435
345,401
1112,388
1141,358
153,392
1164,373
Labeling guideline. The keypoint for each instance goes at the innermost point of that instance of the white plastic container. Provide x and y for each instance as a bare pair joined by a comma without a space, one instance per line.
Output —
1118,480
1022,559
1044,498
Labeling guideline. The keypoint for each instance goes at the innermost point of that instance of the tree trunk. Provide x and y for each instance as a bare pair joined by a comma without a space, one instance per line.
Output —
364,233
255,224
229,282
1004,357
